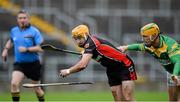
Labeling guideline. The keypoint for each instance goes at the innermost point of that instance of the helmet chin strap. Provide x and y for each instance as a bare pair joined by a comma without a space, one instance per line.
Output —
153,39
85,37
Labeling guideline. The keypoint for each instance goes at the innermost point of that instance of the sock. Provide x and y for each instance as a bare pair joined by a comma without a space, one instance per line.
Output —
41,98
15,96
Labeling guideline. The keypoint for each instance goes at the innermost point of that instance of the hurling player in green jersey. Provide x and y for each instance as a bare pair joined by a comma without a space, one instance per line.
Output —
166,50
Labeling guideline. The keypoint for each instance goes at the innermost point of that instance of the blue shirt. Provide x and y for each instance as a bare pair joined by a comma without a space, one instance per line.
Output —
27,38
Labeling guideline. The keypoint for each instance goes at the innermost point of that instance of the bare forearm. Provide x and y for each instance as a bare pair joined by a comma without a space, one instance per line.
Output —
8,45
76,68
34,49
82,64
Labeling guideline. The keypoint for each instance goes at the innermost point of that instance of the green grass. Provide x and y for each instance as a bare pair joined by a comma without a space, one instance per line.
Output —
85,96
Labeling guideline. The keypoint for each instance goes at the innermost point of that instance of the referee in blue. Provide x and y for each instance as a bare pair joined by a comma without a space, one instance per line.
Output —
26,40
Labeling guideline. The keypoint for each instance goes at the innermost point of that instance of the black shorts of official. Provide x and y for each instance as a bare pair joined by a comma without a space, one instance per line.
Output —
118,73
31,70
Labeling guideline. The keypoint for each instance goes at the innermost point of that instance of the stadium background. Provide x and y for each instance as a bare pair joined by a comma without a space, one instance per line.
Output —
118,21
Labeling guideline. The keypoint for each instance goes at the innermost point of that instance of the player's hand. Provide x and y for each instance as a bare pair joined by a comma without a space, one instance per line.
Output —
22,49
176,80
4,55
122,48
64,72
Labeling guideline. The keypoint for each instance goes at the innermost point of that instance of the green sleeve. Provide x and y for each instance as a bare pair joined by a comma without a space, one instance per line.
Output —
136,47
176,60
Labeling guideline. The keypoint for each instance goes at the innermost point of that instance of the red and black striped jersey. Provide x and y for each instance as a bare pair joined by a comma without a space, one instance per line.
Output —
105,53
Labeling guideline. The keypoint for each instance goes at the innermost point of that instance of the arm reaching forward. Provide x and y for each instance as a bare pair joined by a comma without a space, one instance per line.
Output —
82,64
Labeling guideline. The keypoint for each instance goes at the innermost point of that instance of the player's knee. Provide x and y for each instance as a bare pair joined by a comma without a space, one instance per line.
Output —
14,85
128,95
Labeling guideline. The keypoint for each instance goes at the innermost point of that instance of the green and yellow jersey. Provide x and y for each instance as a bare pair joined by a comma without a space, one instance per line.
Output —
168,53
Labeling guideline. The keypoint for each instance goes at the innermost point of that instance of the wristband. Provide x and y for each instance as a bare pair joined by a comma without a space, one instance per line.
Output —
68,71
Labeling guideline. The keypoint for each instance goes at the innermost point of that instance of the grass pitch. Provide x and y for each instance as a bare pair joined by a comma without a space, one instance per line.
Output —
85,96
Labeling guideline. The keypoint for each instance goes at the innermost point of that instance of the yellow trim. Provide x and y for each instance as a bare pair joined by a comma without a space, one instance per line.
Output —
175,46
161,50
16,94
158,51
174,53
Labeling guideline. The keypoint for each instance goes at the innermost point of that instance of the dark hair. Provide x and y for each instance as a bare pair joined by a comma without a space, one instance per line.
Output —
23,11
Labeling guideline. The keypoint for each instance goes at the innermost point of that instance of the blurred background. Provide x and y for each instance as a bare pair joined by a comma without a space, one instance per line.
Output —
118,21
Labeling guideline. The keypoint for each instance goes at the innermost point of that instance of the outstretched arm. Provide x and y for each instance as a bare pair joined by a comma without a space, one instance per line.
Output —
82,64
133,47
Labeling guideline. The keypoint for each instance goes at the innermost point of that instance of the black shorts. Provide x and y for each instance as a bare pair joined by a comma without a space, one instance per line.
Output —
118,73
31,70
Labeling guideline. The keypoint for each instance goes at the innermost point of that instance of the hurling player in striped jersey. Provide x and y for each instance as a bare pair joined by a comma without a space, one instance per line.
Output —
166,50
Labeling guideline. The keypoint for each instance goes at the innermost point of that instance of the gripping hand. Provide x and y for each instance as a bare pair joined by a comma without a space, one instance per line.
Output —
176,80
64,72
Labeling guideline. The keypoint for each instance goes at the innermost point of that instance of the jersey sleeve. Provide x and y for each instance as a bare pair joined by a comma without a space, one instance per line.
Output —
89,47
11,36
38,37
136,47
176,60
174,55
173,49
